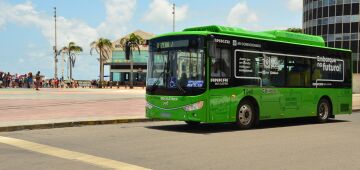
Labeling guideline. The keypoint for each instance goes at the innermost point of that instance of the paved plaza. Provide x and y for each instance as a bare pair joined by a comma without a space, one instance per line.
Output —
26,106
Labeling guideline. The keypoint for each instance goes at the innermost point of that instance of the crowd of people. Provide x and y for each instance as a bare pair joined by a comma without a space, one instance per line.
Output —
36,81
8,80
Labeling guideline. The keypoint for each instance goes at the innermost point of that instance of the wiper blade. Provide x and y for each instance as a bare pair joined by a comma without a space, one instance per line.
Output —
157,82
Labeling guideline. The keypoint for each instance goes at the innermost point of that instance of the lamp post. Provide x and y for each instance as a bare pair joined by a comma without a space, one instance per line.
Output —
55,47
173,12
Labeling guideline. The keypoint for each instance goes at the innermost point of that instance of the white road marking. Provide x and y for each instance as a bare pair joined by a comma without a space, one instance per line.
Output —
66,154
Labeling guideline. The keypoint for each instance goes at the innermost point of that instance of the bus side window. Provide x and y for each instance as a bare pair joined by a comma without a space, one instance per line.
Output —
298,72
272,70
277,72
220,63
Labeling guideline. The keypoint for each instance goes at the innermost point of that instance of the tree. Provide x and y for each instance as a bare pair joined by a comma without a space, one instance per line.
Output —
71,50
296,30
129,44
103,47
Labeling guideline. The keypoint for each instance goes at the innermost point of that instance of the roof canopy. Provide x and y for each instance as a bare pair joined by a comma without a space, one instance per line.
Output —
277,35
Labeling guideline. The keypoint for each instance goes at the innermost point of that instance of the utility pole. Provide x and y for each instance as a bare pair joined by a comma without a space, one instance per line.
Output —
55,47
173,17
62,65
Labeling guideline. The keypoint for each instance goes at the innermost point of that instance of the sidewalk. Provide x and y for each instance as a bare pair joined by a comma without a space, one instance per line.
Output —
30,109
50,108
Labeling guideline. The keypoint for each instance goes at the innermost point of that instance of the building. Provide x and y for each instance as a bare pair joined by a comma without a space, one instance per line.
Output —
120,67
337,21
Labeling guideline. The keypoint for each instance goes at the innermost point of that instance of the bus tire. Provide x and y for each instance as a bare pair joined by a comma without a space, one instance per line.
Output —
246,114
323,110
192,123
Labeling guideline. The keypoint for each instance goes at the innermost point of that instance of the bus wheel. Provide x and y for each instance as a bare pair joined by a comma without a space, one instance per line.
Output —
323,111
192,123
245,115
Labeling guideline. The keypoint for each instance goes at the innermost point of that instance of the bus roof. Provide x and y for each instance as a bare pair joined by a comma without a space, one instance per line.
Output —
272,35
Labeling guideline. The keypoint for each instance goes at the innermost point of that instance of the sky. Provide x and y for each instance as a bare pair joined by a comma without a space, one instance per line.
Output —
27,26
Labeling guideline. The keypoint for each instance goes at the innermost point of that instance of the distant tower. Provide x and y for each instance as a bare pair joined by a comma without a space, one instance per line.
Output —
337,21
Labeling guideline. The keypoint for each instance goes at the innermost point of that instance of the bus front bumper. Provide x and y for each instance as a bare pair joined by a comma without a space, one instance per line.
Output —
154,112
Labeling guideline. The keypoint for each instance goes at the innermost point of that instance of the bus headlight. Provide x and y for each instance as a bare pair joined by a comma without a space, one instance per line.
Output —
148,105
195,106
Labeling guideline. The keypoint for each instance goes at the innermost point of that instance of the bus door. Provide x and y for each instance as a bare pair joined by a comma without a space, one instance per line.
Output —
270,103
298,78
220,95
272,73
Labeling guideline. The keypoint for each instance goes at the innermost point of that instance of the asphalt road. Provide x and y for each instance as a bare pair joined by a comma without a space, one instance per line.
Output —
285,144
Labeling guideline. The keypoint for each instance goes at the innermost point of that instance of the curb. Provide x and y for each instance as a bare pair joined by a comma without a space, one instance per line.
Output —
356,110
81,123
73,124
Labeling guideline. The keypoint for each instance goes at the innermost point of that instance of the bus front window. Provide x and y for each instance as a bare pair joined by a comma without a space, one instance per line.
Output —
177,70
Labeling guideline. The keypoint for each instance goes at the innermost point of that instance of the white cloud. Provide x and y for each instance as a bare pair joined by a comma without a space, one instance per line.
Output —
241,14
73,30
3,14
68,29
118,16
294,5
160,13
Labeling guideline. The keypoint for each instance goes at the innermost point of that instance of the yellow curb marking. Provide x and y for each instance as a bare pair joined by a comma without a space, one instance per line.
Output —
66,154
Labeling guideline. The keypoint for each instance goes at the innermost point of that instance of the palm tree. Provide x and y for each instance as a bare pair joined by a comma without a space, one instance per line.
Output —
71,50
128,45
103,47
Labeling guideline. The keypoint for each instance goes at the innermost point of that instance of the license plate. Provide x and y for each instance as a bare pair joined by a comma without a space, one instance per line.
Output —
165,115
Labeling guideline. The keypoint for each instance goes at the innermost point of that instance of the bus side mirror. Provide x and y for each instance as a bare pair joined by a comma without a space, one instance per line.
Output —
211,46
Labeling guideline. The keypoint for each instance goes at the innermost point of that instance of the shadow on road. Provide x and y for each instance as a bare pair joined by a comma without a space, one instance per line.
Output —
228,127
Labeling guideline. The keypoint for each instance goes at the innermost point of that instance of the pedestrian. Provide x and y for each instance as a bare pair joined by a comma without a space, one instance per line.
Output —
1,79
57,82
25,81
38,79
17,83
62,83
30,80
8,80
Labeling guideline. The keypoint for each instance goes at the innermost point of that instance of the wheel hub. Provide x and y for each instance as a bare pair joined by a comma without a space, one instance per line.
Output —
323,110
245,114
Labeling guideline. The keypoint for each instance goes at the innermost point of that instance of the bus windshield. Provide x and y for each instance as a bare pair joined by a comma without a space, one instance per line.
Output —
176,66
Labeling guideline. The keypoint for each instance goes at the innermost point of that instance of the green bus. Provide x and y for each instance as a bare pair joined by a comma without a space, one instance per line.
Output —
217,74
